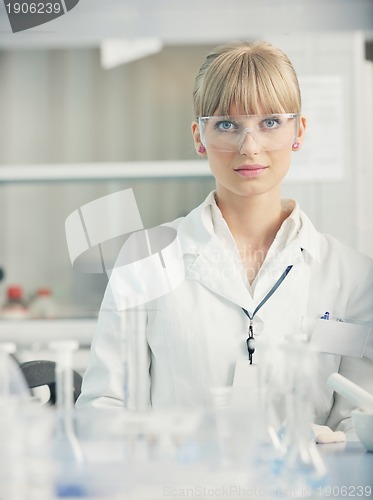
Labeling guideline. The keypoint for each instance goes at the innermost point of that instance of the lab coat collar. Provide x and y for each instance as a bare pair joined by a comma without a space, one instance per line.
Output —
206,258
197,229
310,240
211,262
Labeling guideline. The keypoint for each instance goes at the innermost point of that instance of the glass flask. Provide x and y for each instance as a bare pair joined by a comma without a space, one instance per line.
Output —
303,470
268,453
68,452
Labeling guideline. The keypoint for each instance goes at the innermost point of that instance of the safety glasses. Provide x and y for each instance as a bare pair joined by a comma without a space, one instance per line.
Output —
229,133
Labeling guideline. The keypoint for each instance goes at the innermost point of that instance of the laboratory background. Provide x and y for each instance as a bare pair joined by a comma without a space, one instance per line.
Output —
100,100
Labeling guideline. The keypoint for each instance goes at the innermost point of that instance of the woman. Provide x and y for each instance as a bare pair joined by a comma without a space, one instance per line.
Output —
254,264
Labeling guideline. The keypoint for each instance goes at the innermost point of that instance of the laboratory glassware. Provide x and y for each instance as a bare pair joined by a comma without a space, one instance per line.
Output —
68,452
303,470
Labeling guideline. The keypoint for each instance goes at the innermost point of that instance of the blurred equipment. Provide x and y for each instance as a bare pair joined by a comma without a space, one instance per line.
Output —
351,391
43,305
15,306
42,372
12,381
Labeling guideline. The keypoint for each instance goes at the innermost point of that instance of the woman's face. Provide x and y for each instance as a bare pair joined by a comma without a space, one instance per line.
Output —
252,170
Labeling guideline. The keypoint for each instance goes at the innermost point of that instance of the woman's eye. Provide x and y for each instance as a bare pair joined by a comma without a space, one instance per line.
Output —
271,123
225,126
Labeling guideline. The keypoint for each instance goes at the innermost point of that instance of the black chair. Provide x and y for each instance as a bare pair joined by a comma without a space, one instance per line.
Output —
43,372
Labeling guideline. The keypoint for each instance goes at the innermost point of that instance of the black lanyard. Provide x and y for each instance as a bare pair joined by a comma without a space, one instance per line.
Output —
250,342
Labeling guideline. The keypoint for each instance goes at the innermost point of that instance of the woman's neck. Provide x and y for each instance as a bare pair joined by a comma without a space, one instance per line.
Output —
254,222
255,219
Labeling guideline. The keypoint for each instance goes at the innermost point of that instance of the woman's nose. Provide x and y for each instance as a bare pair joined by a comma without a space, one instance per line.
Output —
248,144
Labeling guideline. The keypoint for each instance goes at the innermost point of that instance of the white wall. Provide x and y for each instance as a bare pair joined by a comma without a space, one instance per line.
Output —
335,207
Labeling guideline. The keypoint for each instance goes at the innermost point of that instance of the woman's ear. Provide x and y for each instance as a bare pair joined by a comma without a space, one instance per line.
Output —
301,131
200,148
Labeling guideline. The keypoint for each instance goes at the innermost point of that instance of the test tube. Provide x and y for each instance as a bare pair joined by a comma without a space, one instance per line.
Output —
124,355
65,401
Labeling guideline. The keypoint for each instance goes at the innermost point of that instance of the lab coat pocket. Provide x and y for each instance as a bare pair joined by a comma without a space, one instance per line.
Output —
340,337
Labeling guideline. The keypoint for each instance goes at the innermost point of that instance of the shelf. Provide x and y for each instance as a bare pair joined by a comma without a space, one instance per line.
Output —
26,333
103,171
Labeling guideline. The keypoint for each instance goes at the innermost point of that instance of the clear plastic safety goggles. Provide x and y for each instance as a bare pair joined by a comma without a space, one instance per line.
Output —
228,133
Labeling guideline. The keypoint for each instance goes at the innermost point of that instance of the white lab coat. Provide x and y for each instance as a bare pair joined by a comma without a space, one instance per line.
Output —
187,341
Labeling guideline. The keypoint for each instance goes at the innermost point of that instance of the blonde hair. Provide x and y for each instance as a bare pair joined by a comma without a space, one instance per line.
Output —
256,77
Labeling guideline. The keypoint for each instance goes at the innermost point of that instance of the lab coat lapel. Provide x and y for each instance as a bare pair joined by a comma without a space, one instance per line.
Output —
286,308
273,269
207,262
290,301
217,269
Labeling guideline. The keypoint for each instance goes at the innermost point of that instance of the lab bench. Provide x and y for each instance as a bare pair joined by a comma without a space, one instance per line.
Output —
32,336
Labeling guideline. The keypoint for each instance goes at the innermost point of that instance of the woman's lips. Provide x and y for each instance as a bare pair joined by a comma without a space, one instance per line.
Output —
250,170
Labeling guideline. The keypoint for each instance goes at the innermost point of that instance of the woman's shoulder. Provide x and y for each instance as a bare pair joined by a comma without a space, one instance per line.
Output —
195,229
346,254
327,247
